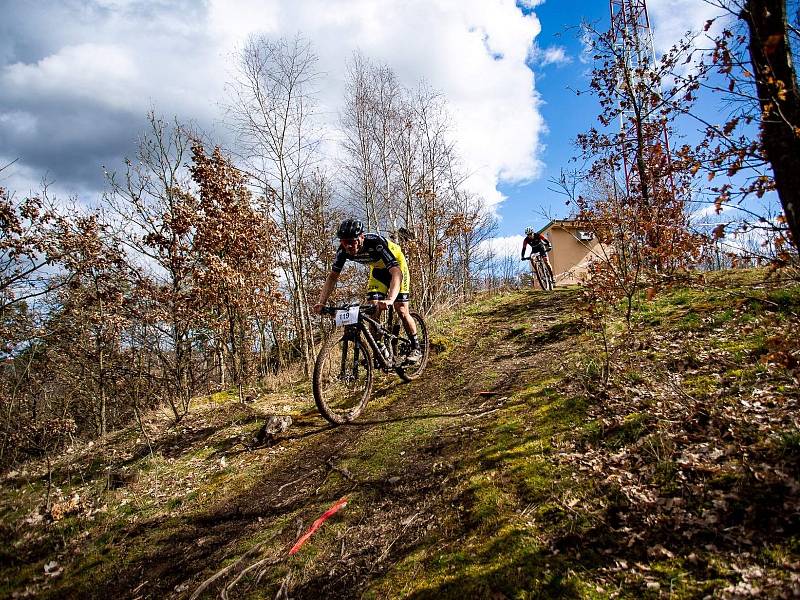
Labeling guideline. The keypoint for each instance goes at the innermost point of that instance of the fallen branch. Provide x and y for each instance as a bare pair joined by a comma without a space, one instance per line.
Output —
407,524
246,570
285,485
220,573
230,567
480,415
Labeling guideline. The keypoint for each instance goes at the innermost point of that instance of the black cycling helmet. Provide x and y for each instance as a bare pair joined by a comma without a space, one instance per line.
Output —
349,229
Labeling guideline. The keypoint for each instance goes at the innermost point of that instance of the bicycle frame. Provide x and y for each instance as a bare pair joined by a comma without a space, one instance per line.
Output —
390,339
342,389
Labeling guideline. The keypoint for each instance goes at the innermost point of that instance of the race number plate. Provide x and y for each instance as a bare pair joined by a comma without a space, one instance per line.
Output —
347,317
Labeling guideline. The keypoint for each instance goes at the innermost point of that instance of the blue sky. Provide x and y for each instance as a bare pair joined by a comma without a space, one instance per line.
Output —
565,114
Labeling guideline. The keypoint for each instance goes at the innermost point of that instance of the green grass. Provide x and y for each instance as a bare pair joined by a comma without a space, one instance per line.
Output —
512,516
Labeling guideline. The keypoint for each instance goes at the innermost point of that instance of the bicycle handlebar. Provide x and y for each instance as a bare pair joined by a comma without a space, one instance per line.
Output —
363,308
547,251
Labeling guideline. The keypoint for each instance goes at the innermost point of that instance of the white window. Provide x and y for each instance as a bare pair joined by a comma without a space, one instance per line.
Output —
585,235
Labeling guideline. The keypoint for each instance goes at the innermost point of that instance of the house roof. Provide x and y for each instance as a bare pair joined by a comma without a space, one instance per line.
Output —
564,224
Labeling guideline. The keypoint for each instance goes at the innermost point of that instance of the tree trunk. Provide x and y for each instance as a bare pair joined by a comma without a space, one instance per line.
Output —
779,98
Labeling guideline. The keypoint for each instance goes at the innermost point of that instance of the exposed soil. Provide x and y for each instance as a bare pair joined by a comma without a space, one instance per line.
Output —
396,512
677,477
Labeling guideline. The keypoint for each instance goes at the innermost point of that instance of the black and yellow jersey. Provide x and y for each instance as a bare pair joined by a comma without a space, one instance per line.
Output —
377,252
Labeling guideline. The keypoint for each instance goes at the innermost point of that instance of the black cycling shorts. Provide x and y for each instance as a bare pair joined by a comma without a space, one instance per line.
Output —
401,297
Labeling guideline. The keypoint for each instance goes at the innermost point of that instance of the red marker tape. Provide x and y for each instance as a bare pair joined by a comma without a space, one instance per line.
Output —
331,511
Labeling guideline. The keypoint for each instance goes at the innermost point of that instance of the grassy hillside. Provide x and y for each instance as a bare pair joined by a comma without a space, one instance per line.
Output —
512,469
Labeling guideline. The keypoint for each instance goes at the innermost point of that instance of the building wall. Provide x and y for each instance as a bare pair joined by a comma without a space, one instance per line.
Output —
570,256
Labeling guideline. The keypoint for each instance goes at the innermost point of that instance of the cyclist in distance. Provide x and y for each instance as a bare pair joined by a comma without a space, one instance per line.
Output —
539,245
388,275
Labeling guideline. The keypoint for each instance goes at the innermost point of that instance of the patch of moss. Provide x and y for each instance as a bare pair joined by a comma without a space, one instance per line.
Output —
633,426
635,377
787,300
691,321
536,479
488,503
441,344
681,298
508,564
787,443
382,452
743,346
745,376
723,317
664,477
728,480
700,385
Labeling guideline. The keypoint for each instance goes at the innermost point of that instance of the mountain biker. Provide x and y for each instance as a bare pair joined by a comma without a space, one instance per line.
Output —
539,245
388,275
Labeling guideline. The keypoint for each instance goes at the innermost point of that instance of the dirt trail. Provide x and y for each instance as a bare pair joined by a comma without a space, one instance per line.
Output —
305,469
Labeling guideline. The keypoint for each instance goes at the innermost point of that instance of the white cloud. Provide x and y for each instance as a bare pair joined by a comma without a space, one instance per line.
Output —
671,19
120,57
529,4
553,55
502,247
80,72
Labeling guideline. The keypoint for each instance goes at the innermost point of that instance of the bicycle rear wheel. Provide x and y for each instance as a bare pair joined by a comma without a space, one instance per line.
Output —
410,371
342,377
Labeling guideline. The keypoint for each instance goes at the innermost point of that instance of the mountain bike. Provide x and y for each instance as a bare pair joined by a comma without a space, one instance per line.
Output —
541,272
343,372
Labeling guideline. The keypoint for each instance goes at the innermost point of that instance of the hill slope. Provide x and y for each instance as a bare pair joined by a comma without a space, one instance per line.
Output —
510,469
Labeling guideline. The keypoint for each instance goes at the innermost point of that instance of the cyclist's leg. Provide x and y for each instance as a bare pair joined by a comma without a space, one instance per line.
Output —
372,298
401,306
402,301
377,288
414,355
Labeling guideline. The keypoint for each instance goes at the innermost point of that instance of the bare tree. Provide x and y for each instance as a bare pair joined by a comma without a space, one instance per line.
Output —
402,168
272,111
358,121
159,215
373,121
432,190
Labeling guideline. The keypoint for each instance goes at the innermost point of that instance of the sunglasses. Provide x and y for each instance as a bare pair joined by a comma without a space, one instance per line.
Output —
348,243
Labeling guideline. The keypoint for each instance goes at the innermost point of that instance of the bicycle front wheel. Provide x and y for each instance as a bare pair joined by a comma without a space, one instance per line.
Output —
537,273
342,377
542,276
410,371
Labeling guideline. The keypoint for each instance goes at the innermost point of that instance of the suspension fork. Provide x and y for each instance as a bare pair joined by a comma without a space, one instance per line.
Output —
350,335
